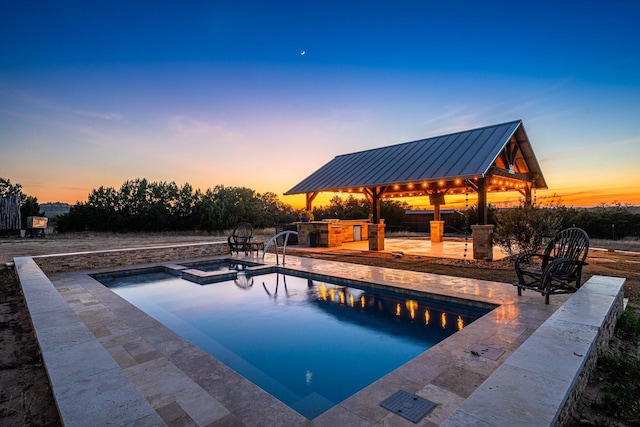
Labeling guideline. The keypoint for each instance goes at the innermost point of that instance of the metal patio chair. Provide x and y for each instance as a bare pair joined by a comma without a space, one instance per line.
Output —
558,270
240,238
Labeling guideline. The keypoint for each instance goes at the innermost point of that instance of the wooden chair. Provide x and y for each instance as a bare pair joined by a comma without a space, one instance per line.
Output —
558,270
240,238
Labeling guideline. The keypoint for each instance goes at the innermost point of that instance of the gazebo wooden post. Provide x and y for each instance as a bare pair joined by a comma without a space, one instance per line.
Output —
527,194
373,196
375,206
482,201
310,197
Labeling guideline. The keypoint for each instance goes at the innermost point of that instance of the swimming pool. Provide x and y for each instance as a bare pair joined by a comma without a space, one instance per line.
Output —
309,343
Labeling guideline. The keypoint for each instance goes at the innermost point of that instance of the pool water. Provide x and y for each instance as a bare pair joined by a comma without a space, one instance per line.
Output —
309,343
222,265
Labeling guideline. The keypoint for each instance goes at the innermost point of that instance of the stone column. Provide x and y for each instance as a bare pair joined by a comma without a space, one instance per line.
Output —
334,235
437,231
482,236
376,237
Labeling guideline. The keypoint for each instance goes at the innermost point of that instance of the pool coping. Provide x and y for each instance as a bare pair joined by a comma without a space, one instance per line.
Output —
74,316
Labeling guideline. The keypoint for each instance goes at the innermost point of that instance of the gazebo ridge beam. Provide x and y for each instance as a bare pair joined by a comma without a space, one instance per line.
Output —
525,177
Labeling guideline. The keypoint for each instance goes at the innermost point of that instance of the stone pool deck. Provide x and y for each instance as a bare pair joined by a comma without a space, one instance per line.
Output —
111,364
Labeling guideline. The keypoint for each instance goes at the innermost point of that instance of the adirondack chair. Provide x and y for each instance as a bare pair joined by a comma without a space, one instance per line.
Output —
240,238
558,270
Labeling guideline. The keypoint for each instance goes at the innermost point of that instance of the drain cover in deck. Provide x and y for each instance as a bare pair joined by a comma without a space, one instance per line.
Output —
408,405
485,351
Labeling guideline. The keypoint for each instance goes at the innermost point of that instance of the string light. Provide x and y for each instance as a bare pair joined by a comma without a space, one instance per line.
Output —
466,221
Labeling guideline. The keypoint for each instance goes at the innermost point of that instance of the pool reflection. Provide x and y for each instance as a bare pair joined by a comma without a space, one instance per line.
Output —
408,310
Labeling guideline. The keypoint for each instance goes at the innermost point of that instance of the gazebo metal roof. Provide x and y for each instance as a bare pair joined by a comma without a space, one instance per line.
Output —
435,165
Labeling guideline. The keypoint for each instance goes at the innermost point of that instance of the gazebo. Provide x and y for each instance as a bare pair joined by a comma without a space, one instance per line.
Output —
491,159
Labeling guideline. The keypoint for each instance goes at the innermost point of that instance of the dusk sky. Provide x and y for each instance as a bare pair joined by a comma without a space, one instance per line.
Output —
261,94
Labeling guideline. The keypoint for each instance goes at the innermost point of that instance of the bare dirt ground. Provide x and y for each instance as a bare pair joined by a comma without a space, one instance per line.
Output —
25,396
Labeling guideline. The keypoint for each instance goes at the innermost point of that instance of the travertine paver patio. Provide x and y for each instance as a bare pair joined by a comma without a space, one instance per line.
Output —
110,362
453,248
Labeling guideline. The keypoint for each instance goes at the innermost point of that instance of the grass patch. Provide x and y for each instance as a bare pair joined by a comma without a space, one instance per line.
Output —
621,396
628,326
8,283
620,370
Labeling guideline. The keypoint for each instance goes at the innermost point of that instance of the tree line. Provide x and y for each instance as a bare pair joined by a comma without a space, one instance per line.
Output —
142,205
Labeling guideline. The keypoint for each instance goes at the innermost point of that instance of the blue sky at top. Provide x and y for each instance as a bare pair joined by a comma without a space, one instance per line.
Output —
94,93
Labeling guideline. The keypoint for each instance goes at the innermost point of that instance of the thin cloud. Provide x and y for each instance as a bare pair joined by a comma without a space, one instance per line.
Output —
446,115
46,104
459,123
558,114
561,155
187,126
513,108
103,116
86,131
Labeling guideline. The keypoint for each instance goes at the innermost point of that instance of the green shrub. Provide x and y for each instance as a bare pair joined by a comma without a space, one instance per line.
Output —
525,228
